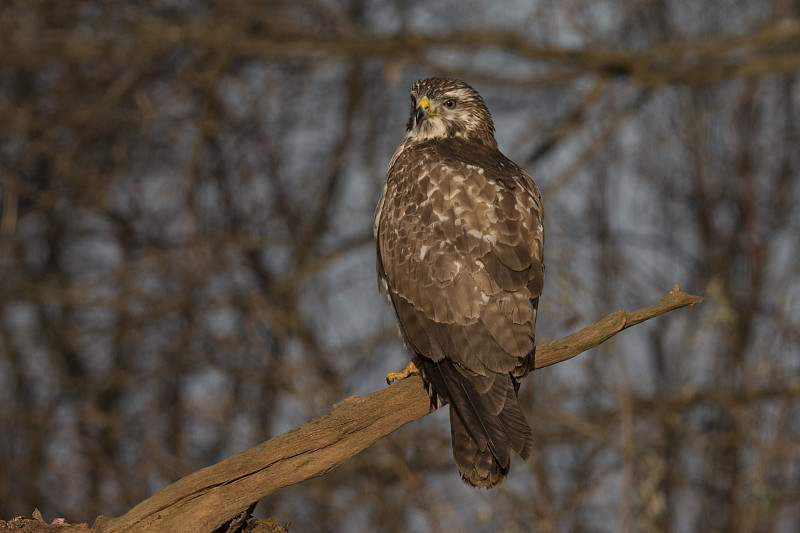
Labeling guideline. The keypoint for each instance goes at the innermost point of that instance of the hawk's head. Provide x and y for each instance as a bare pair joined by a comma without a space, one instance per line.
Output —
446,107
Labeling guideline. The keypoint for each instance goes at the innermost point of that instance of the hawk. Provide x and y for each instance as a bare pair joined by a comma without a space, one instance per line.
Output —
459,253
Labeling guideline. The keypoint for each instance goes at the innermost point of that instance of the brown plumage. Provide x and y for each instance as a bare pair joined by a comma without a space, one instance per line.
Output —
459,234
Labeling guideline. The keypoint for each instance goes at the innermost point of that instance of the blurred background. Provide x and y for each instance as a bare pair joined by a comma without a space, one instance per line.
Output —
187,264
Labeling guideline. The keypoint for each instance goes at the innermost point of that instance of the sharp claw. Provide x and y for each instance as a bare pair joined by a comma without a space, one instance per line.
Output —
411,368
395,376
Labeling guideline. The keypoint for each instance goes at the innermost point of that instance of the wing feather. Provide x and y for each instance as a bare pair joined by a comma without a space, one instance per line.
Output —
460,236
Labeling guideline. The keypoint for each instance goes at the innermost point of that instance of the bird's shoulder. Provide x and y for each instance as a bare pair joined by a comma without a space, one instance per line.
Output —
453,208
416,165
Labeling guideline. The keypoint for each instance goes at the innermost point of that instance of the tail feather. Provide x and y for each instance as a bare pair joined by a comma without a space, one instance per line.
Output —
484,427
517,428
478,468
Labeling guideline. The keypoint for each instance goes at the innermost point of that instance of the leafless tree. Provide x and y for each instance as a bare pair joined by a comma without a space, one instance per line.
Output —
187,268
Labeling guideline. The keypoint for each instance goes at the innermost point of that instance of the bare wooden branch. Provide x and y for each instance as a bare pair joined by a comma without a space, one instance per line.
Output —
568,347
694,63
210,497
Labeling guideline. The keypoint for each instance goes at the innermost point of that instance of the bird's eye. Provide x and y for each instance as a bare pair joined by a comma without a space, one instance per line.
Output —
450,104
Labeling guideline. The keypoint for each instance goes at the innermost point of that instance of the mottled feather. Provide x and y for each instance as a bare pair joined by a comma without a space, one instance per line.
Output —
460,237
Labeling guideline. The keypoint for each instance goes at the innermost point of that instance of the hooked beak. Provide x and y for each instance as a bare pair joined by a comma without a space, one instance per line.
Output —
423,110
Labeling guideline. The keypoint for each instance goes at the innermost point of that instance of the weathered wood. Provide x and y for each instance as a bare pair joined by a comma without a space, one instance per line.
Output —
568,347
210,497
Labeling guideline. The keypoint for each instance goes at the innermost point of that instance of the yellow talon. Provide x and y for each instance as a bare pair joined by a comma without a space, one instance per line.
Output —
411,368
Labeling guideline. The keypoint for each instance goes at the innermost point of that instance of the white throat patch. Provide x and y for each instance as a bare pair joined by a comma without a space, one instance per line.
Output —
431,128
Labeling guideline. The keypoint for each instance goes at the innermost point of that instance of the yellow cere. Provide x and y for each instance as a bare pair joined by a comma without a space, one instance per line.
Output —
425,104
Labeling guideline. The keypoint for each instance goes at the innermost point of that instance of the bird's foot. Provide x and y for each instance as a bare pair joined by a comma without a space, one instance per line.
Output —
411,368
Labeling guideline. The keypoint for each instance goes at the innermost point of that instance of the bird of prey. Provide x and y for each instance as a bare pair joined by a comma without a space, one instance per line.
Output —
459,253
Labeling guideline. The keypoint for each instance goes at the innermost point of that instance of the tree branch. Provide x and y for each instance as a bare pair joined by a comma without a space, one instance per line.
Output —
771,49
210,497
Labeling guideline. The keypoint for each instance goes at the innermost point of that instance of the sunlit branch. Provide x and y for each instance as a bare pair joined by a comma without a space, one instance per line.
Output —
210,497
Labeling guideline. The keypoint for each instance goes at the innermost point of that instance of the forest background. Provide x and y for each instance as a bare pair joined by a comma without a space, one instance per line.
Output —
187,262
